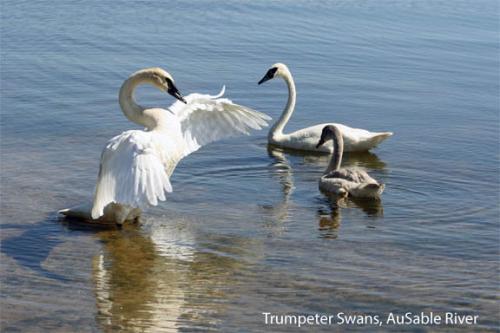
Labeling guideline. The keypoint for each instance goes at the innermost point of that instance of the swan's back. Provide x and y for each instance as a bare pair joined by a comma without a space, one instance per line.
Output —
354,175
355,139
355,181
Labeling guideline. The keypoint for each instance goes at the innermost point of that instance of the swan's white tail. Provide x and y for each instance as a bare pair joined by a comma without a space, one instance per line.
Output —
374,141
112,213
79,212
381,137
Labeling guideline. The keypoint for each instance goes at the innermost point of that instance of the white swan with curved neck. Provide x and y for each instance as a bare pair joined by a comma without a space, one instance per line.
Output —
355,139
137,164
345,181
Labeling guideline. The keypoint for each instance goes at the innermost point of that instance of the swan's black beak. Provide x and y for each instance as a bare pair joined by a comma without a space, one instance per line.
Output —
269,75
175,92
264,79
320,143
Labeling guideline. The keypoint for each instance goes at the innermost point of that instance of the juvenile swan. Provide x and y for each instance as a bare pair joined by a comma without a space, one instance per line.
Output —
136,165
305,139
345,181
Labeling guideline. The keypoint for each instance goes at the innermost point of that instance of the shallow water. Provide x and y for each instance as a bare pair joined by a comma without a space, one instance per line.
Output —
246,230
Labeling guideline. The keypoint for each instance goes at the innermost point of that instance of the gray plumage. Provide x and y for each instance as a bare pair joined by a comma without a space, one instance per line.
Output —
345,181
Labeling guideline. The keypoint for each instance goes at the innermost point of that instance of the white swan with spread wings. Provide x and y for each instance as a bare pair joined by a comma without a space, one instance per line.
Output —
136,165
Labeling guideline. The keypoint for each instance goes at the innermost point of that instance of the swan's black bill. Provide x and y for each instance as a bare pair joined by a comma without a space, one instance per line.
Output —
320,143
175,92
269,75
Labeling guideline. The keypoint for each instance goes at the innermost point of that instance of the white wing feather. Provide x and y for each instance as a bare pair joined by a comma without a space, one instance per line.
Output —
207,118
132,171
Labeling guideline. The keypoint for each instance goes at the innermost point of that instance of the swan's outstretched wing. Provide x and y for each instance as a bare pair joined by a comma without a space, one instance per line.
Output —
206,118
135,165
134,170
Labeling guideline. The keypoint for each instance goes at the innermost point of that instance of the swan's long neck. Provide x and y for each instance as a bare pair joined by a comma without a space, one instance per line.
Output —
338,150
133,111
277,130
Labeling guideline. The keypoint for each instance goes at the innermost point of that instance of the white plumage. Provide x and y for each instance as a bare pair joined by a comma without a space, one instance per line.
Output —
136,165
355,139
133,170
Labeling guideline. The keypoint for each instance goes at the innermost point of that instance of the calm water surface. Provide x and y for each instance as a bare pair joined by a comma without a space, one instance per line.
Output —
246,230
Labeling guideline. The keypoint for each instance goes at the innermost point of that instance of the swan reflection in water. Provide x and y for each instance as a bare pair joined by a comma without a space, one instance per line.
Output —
330,221
366,159
277,214
329,217
161,276
137,286
157,277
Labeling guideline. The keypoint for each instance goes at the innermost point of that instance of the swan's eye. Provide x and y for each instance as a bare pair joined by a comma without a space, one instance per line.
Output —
272,71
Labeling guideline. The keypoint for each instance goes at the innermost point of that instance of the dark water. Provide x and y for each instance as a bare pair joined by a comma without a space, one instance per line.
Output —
246,230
